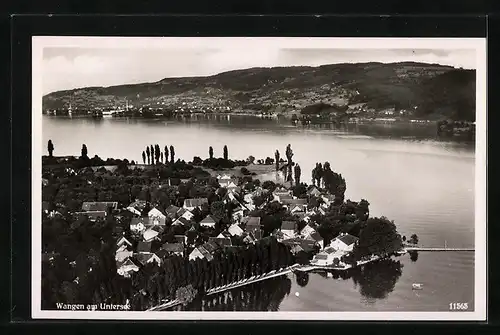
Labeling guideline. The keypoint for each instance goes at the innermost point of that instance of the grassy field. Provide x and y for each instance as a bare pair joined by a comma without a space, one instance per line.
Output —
258,169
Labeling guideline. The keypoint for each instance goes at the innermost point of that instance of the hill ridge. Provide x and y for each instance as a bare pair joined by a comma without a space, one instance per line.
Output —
435,90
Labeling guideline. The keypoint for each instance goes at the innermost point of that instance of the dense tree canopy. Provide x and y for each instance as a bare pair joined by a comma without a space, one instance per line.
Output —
378,237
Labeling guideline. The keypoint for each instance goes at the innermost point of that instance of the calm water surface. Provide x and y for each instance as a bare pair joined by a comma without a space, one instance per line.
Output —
425,186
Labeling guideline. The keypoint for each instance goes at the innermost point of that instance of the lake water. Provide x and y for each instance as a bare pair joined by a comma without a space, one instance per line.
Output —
426,186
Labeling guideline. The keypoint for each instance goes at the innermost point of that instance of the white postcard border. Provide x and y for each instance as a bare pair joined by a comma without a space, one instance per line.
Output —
480,280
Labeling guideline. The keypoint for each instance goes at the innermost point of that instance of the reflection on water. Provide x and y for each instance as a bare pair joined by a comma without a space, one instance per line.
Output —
413,256
262,296
375,280
302,278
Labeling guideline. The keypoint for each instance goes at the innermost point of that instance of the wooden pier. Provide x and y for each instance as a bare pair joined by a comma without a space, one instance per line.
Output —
437,249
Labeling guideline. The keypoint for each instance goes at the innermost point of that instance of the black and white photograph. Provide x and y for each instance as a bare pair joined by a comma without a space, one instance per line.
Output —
259,178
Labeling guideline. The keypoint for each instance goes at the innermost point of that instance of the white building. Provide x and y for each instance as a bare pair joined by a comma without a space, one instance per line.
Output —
156,217
128,266
327,257
149,235
344,242
137,225
208,221
235,230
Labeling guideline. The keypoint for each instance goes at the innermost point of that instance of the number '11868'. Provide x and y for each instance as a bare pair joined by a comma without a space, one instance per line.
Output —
459,306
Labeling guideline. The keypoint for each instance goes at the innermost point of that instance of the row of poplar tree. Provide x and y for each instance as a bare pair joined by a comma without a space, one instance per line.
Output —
155,155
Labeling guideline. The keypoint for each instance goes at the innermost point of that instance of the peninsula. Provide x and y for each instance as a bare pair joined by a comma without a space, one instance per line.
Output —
146,234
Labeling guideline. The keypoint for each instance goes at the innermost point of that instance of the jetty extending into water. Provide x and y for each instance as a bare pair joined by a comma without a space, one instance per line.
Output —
408,249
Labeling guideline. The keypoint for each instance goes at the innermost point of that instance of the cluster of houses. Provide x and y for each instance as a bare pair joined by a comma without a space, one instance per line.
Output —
143,245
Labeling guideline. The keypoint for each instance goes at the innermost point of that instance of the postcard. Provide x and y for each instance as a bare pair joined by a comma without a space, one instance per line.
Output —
259,178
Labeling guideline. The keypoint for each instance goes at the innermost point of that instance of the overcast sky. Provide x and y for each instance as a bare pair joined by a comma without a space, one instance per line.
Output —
69,68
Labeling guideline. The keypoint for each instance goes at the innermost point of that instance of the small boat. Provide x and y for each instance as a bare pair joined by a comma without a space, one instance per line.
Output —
416,286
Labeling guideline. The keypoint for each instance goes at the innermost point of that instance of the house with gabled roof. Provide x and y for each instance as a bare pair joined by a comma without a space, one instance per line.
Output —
174,248
231,198
220,242
99,206
181,239
144,247
138,225
148,258
172,211
181,222
224,234
208,221
92,215
282,196
248,199
223,177
162,254
232,186
252,225
235,230
157,228
122,254
149,235
288,229
251,222
305,245
313,191
184,213
200,252
126,267
290,202
123,241
307,230
156,217
344,242
319,211
316,237
297,209
137,207
249,238
238,213
191,204
226,182
328,199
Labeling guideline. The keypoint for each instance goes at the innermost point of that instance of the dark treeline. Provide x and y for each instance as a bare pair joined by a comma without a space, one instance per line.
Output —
456,129
83,268
69,186
334,183
228,266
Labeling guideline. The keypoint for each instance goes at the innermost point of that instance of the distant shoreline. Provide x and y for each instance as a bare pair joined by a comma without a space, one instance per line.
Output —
257,115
